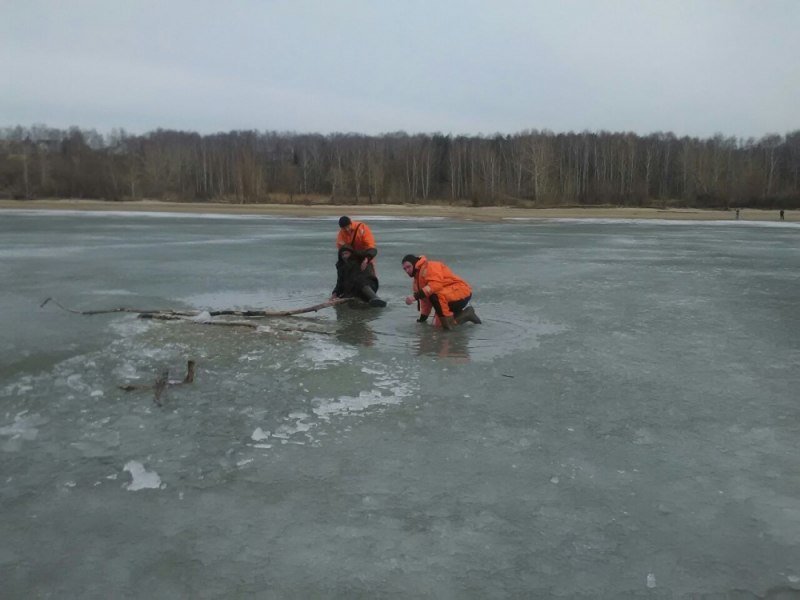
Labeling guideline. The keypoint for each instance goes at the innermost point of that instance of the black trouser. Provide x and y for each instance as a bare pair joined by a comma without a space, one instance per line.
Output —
456,306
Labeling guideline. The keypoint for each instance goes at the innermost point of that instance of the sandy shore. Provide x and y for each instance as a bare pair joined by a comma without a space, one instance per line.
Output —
494,213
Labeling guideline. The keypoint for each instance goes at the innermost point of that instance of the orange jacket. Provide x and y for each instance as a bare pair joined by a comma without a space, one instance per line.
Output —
433,277
360,237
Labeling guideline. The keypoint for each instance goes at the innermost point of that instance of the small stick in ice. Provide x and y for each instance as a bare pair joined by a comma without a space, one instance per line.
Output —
163,382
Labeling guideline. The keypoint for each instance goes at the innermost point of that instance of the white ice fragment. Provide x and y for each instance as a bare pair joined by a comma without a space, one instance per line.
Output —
244,462
96,393
69,484
793,579
202,317
259,435
142,478
554,479
263,446
651,580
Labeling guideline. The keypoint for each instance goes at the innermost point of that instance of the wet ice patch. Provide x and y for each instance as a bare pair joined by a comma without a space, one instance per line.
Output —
142,478
112,293
235,299
507,328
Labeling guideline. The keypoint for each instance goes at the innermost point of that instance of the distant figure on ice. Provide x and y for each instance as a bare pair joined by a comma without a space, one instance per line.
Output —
781,214
355,277
737,214
358,236
436,287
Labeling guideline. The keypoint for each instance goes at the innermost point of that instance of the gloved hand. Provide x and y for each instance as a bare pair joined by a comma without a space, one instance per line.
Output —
422,318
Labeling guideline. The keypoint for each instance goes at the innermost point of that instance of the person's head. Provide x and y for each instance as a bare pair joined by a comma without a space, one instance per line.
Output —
409,262
344,222
345,252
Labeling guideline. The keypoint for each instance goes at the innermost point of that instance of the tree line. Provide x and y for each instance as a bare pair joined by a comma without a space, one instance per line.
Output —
527,169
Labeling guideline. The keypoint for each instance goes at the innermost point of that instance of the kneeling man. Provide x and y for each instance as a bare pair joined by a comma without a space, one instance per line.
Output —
436,287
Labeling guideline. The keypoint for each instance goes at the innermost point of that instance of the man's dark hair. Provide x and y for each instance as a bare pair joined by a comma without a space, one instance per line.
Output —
410,258
344,221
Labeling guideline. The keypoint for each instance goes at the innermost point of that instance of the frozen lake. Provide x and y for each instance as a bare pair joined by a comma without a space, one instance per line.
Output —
623,425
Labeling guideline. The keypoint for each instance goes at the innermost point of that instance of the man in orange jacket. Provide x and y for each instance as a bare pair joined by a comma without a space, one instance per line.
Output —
358,236
436,287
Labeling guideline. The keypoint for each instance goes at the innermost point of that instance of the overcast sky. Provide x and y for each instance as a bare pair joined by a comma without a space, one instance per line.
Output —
693,67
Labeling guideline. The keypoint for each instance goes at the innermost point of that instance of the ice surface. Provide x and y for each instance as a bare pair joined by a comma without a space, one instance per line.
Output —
626,416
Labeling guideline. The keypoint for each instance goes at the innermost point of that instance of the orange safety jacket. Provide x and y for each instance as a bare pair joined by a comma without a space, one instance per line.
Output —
433,277
360,238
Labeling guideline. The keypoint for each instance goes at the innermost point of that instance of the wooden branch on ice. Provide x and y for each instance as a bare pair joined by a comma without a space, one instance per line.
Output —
308,328
162,383
192,315
195,313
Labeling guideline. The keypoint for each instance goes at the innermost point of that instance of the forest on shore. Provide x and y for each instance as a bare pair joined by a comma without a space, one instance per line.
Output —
527,169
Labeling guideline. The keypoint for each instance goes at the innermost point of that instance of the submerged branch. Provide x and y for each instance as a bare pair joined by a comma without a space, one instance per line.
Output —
162,383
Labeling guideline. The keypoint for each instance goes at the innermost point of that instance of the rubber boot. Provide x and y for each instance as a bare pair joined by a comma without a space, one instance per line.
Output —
468,315
372,297
448,322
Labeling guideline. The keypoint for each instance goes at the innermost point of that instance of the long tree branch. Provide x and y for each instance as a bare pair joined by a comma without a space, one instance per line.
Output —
178,314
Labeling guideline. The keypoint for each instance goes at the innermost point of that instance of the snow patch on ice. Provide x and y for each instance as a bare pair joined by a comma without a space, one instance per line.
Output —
259,435
328,407
142,478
